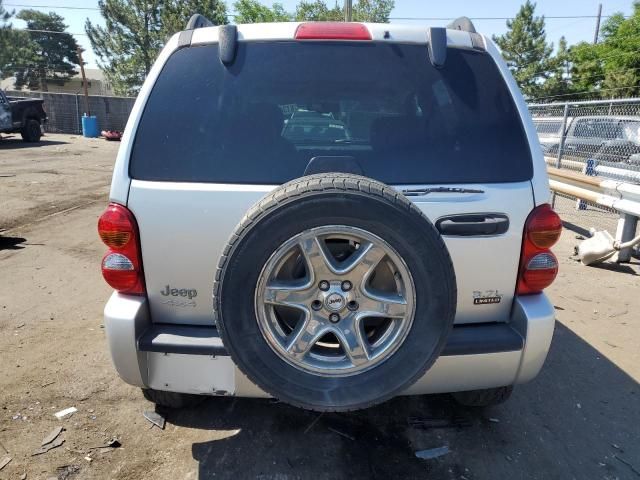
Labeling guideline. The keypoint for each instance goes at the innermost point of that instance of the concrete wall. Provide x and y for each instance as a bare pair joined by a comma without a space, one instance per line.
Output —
65,110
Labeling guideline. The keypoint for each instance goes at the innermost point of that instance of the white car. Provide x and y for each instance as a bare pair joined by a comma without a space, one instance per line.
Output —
333,275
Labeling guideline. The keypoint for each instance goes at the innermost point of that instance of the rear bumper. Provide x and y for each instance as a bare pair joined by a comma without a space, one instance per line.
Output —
192,359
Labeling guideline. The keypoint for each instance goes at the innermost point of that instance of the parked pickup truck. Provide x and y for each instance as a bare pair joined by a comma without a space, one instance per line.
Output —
22,115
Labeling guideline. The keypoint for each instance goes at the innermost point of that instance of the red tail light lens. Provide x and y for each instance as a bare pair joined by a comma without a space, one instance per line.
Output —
332,31
122,265
538,266
544,227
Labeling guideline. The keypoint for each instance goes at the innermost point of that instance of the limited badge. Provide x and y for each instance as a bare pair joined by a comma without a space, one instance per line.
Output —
487,297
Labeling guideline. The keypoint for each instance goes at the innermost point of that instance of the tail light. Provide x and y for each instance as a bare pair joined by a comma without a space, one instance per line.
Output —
122,265
538,266
332,31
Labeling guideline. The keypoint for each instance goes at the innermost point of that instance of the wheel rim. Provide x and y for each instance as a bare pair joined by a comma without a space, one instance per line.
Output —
335,300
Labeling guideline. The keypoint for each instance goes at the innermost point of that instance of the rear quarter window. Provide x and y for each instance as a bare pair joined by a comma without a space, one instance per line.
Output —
280,104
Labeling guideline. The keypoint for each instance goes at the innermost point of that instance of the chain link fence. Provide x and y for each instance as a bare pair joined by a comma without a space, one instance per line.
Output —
65,110
598,138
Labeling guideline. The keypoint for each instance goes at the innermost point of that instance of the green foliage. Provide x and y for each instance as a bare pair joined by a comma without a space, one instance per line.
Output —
558,83
610,68
5,38
175,14
318,11
375,11
252,11
48,57
526,51
15,46
129,43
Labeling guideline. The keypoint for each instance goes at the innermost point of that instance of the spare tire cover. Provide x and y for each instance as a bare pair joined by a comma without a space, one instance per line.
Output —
334,293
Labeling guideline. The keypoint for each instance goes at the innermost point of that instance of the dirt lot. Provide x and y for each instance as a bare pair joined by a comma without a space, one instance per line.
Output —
580,419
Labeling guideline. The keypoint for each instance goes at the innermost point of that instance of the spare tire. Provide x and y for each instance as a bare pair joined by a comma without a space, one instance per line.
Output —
334,293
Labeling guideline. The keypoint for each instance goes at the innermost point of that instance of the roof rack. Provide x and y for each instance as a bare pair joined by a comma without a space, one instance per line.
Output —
464,24
198,21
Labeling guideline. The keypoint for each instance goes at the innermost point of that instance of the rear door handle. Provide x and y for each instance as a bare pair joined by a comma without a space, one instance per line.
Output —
467,225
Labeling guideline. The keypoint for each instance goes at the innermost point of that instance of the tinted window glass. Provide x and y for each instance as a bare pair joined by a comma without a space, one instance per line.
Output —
283,103
545,127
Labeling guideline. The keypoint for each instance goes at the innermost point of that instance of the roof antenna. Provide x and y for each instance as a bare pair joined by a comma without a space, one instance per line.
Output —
198,21
464,24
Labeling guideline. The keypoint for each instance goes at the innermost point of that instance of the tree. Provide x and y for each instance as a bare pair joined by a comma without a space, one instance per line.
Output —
5,32
318,11
15,51
129,43
526,51
610,68
175,14
558,84
252,11
376,11
53,55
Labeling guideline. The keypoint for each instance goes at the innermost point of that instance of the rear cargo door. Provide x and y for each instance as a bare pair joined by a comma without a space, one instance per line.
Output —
451,138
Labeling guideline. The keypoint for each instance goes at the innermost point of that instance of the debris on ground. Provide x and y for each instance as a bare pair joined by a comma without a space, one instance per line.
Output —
112,135
52,435
426,423
49,446
155,418
23,476
65,413
4,462
47,384
494,420
315,420
113,443
432,453
67,471
342,434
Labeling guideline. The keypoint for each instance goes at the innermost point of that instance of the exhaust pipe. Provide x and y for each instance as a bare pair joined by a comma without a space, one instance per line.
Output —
601,246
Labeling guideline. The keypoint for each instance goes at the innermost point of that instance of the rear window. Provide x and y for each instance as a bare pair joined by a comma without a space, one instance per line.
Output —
280,104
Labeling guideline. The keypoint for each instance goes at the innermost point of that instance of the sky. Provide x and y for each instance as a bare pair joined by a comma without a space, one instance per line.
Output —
574,29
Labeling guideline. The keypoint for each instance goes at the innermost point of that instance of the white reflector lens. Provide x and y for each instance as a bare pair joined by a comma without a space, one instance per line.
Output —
116,261
542,261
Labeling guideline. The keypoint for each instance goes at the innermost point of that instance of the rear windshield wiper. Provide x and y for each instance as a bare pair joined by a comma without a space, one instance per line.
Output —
418,192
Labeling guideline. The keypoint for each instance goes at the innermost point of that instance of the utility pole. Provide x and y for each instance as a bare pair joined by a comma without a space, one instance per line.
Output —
84,82
595,35
347,10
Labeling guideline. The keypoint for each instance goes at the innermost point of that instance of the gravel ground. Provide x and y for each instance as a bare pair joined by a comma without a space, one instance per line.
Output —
578,420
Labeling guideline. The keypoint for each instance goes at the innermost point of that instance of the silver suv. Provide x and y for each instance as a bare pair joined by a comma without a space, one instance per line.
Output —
332,272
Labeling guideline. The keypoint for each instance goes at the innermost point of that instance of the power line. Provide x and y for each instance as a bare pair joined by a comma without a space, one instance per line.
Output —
20,5
598,59
595,92
46,31
552,17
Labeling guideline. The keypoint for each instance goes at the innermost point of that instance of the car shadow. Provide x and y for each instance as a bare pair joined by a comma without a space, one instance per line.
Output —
578,419
11,243
16,142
